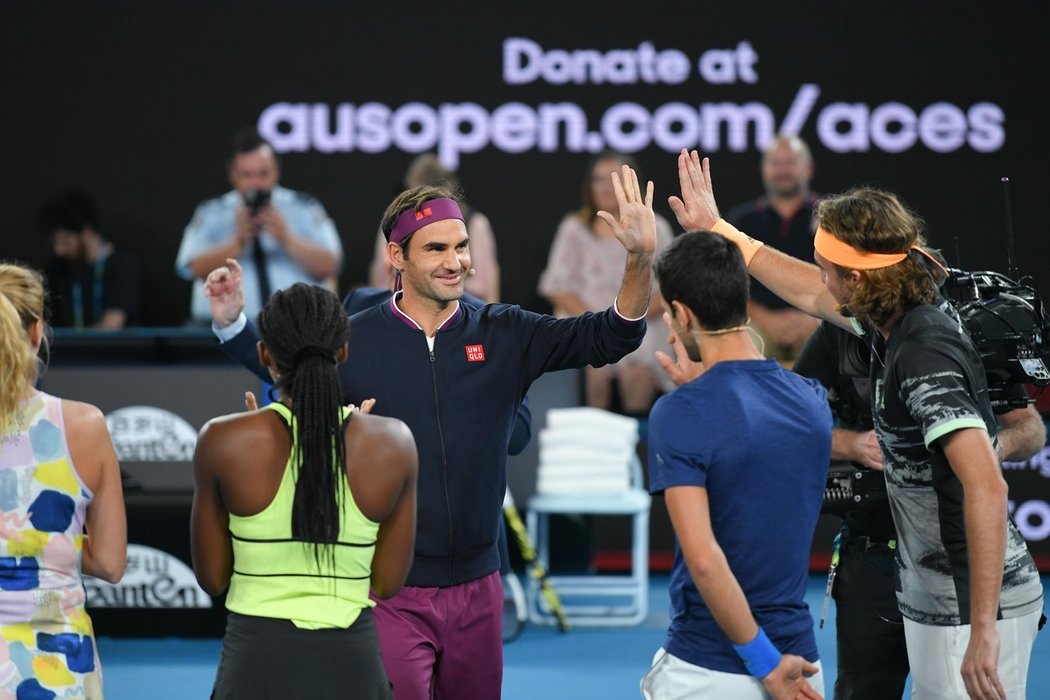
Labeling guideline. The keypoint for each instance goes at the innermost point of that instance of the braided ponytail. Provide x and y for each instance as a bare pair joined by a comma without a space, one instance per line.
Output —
303,327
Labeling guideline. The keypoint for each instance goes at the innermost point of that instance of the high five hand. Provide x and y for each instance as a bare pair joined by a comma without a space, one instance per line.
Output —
636,228
696,210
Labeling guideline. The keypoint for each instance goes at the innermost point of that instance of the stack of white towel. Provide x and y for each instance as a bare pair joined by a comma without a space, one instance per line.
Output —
586,450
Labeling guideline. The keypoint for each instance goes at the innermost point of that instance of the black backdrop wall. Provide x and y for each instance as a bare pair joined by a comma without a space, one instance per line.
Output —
138,101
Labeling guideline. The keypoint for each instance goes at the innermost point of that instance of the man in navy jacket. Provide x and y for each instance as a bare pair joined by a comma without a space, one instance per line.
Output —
456,375
241,348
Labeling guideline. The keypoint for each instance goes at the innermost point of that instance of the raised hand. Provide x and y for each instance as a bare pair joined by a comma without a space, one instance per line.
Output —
636,227
696,210
225,291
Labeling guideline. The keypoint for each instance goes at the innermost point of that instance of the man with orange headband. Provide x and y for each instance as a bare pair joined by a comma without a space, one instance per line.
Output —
456,375
969,590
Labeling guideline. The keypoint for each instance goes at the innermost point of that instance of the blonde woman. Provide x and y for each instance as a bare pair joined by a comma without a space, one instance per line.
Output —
58,476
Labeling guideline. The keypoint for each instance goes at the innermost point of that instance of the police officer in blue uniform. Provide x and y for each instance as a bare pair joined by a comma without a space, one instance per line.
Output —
278,235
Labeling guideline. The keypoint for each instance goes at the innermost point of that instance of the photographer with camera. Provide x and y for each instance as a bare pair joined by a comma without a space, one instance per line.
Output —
968,588
278,235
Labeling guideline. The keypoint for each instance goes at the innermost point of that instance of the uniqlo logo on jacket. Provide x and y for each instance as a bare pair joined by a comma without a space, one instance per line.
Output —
475,353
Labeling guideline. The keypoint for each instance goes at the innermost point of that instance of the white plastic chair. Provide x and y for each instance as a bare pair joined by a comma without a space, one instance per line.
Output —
588,465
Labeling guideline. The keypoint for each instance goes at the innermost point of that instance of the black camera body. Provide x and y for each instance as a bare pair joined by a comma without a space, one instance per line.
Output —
1007,323
256,200
851,487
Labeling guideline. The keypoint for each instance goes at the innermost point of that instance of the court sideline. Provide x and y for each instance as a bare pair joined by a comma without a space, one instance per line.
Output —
541,664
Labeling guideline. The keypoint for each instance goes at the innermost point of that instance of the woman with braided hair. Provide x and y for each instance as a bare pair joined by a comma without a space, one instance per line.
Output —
299,509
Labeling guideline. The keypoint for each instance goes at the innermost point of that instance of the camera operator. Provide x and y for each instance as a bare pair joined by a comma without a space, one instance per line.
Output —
279,236
871,649
968,588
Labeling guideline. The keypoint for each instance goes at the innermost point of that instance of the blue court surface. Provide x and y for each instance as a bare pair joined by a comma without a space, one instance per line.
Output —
542,664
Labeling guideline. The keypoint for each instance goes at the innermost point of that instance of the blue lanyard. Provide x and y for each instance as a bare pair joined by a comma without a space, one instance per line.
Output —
96,300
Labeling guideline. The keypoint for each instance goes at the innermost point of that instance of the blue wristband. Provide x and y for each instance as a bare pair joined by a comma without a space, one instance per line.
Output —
759,655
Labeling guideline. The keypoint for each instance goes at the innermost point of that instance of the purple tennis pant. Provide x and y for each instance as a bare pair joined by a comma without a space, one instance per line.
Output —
444,643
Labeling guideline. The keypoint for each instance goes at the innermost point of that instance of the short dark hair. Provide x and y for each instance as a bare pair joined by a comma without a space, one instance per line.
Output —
706,273
247,140
69,210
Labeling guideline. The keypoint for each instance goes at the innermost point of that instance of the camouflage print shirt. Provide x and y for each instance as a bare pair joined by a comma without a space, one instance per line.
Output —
929,382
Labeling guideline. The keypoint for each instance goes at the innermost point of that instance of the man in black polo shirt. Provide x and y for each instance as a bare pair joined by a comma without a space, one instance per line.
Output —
783,218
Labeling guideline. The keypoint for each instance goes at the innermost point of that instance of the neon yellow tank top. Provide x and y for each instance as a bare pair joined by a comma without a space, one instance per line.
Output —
277,576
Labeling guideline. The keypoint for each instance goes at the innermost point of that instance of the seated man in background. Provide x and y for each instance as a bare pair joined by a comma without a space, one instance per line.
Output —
279,236
93,284
741,455
483,282
782,217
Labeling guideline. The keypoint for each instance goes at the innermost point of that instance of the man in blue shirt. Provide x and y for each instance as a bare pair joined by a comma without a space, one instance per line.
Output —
279,236
740,453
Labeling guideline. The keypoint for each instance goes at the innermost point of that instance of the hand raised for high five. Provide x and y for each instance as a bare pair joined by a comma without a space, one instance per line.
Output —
225,291
636,228
696,210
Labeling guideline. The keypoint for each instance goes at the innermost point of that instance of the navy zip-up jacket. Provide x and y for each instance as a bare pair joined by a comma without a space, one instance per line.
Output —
460,401
365,298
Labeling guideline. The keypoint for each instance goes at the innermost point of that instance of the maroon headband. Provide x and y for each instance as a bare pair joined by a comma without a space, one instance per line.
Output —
430,211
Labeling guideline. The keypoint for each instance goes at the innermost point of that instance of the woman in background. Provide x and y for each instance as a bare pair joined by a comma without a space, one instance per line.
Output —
583,273
298,508
58,474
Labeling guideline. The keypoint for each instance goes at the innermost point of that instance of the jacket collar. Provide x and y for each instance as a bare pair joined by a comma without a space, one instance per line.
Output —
410,322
